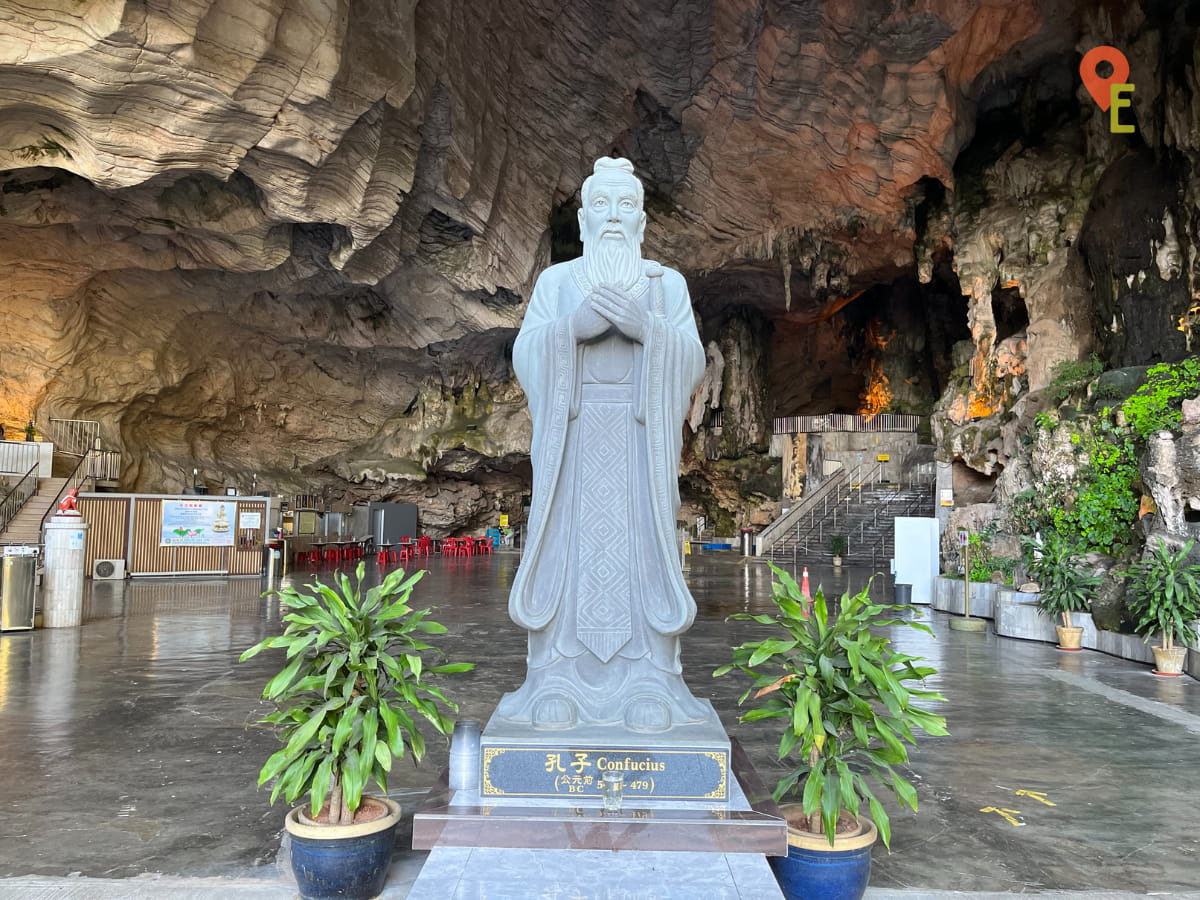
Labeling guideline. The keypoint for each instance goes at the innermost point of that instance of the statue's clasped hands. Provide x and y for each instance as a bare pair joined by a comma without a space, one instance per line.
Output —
608,307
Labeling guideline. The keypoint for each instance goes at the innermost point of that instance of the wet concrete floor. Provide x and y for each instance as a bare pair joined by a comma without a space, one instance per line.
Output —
128,745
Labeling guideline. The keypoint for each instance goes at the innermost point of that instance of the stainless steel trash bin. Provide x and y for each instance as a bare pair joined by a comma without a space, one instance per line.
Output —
903,594
17,576
747,542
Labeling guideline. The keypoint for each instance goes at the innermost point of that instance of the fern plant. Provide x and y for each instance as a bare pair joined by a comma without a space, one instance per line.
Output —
837,691
354,687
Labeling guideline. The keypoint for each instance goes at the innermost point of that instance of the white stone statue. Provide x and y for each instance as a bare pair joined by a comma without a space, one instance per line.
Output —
608,356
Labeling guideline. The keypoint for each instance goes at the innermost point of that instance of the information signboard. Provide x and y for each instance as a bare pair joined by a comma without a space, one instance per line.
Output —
196,523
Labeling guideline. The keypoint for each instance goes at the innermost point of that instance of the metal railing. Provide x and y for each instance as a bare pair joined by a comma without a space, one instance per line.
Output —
17,456
104,465
17,497
82,477
871,539
73,436
839,422
812,532
781,527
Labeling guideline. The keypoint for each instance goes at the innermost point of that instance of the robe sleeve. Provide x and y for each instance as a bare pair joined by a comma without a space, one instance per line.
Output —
544,358
674,364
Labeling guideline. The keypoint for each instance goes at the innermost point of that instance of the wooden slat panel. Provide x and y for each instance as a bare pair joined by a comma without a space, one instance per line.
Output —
109,520
246,556
146,555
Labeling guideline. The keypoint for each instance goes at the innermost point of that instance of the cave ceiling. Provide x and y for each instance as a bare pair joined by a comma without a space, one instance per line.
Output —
296,237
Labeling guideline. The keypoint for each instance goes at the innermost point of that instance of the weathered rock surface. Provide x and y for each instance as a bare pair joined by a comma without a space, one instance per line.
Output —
294,237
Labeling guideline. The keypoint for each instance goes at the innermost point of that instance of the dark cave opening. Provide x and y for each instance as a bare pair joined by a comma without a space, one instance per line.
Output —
565,243
970,486
1009,312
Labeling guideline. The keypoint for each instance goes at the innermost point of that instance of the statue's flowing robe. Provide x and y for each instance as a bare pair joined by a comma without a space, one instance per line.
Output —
599,587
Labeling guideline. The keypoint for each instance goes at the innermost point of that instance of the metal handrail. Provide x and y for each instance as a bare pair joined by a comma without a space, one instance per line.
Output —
773,533
879,545
821,499
74,436
857,483
17,497
79,477
17,456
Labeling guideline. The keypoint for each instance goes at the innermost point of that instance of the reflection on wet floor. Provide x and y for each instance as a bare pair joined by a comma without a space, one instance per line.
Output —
141,722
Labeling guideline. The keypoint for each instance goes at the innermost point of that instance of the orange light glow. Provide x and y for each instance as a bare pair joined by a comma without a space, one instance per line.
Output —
878,395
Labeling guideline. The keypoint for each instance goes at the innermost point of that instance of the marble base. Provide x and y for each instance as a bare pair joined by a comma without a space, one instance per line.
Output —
471,873
749,822
949,596
1018,616
688,764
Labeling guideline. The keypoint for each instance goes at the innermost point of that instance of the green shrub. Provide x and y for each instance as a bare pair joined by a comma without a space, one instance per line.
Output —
834,686
1155,406
1164,594
1070,375
1066,585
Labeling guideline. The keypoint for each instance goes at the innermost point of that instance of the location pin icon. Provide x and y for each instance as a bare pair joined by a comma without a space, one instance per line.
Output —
1100,88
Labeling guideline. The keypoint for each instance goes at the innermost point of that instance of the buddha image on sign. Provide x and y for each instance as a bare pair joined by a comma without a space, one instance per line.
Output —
608,356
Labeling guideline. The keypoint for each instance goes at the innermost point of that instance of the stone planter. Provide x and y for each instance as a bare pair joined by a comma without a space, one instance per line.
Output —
948,596
1017,616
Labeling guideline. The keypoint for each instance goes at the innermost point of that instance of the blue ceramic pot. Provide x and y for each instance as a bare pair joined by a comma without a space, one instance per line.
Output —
813,870
348,862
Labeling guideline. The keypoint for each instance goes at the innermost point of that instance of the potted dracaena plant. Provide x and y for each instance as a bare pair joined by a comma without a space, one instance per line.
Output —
836,689
358,677
837,548
1065,585
1164,597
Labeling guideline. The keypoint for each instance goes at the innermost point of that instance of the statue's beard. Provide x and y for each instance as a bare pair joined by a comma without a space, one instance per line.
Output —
614,262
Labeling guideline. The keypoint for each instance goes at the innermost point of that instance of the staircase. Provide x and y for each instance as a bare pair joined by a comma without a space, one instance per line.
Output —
26,525
864,511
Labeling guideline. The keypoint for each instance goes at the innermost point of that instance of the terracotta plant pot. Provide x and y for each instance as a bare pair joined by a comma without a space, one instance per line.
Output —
1069,638
813,868
1169,662
345,861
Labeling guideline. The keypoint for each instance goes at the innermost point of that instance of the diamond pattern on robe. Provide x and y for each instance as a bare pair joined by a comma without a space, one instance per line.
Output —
604,616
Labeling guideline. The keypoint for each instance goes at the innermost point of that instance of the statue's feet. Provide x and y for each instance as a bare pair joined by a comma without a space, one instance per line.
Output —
647,714
555,712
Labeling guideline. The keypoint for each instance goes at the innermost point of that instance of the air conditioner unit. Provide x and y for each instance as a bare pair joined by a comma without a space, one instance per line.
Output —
107,569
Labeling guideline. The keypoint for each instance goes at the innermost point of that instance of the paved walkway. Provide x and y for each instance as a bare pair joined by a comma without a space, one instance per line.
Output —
130,757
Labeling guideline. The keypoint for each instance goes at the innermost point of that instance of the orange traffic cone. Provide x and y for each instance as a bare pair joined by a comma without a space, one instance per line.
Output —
804,588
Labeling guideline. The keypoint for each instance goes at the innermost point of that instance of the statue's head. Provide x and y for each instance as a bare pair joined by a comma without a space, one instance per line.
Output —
612,221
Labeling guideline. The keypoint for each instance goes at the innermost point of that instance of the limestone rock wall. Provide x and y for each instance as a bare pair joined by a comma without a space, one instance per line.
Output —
295,237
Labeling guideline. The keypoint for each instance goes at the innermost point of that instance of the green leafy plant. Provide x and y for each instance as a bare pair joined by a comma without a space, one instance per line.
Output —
1164,594
838,544
1006,566
355,683
836,688
1065,583
979,557
1070,375
1099,505
1156,405
1045,421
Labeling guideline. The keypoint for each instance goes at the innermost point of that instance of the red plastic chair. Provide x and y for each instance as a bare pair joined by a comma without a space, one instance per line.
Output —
483,545
424,545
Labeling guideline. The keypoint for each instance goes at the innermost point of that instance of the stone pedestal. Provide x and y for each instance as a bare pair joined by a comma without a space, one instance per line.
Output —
745,821
688,764
62,583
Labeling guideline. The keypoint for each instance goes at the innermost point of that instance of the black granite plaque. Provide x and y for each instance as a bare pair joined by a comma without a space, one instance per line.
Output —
574,772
